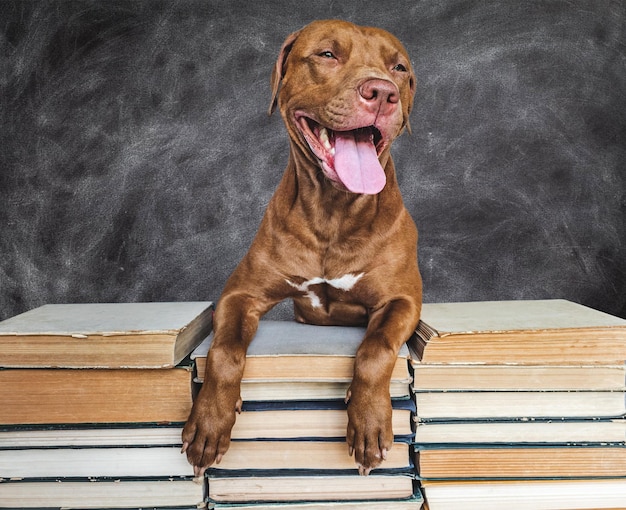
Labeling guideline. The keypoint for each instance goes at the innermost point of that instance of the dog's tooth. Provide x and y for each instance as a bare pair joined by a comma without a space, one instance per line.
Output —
325,140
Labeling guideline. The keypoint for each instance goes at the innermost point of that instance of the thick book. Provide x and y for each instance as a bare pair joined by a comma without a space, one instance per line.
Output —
521,431
87,462
520,461
309,419
96,435
533,332
68,396
291,361
476,405
260,390
259,420
315,455
104,335
311,487
526,494
459,377
415,502
154,493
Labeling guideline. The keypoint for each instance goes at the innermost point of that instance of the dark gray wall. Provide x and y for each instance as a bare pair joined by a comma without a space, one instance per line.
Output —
136,156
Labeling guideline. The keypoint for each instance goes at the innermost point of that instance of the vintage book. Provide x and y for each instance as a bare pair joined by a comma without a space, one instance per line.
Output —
415,502
519,432
104,493
309,419
278,420
532,332
290,361
86,462
304,455
104,335
526,494
62,395
98,435
257,390
458,377
520,461
476,405
310,487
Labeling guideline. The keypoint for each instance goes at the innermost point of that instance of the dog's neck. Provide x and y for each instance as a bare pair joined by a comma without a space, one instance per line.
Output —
329,211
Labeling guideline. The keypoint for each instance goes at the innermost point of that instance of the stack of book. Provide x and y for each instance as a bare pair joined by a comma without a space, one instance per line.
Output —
520,404
288,448
92,404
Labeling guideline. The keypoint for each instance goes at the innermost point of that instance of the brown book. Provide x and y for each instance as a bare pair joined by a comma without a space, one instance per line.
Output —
519,332
521,461
104,335
291,361
94,395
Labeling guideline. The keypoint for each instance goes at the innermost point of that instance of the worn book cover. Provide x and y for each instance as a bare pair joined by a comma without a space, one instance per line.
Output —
553,331
64,395
520,461
290,351
104,335
308,487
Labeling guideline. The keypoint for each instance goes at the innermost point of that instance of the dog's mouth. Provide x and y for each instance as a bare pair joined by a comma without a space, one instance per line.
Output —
348,158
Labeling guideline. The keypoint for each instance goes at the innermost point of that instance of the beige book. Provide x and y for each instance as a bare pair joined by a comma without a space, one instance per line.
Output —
519,432
526,494
320,487
476,405
459,377
311,455
103,493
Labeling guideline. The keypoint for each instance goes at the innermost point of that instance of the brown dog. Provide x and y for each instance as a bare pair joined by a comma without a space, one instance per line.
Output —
336,236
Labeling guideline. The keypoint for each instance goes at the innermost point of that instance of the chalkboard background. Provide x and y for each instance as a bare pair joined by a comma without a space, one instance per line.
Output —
137,157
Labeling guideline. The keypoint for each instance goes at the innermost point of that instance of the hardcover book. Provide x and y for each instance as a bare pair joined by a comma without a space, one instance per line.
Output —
520,332
72,396
318,487
287,350
526,494
104,335
482,461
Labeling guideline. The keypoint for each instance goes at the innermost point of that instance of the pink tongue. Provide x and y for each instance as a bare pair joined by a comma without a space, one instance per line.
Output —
356,162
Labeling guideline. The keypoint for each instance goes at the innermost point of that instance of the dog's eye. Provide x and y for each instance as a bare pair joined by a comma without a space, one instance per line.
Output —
326,54
400,68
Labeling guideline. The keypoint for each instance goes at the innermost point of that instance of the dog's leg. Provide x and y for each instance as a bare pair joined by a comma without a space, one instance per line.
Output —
369,434
206,435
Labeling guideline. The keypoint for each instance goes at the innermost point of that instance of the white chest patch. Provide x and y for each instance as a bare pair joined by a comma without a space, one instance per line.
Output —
345,283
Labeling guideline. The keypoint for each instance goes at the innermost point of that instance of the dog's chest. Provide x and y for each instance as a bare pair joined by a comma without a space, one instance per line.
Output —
319,290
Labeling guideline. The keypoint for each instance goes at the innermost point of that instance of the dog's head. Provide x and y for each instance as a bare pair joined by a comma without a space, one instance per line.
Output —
345,93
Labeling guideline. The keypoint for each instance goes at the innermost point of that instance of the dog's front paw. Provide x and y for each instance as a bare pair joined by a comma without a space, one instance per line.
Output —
206,435
370,434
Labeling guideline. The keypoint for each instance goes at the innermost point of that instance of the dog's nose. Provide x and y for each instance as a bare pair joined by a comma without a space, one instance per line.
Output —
379,91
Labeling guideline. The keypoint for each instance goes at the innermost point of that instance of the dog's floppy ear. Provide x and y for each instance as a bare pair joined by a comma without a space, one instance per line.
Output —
279,67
